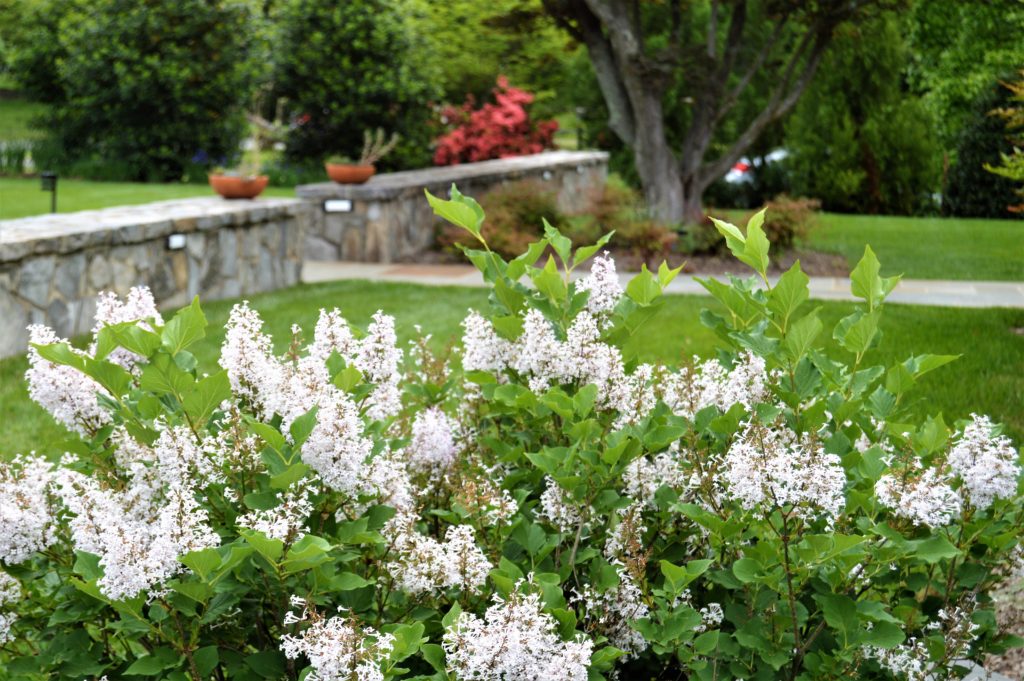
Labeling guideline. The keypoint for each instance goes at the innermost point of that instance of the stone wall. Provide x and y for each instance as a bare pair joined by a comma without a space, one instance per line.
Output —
53,266
387,219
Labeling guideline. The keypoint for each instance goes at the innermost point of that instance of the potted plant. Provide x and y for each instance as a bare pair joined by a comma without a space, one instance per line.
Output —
342,170
245,182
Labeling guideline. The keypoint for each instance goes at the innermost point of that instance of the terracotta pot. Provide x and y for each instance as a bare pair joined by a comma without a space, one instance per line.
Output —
237,187
344,173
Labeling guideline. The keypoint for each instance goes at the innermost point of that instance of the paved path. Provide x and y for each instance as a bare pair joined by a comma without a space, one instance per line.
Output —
910,291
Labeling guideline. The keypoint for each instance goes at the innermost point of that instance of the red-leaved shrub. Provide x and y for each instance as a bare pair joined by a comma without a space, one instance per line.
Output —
495,130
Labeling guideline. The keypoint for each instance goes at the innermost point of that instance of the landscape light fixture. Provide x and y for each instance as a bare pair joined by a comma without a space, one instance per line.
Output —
48,179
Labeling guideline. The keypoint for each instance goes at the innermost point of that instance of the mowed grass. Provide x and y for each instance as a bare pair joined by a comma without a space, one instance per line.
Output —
927,248
16,117
989,378
22,197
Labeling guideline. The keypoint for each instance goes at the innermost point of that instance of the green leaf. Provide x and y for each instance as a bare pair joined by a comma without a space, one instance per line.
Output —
201,562
935,549
584,253
347,379
303,426
666,274
840,612
114,378
801,336
271,549
461,211
865,282
791,291
163,376
154,663
207,395
206,660
747,570
62,354
678,578
755,250
559,242
643,288
269,664
734,238
706,642
549,282
856,332
187,327
884,635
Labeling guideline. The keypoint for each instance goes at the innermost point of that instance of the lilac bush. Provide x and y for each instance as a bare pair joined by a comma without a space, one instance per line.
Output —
539,505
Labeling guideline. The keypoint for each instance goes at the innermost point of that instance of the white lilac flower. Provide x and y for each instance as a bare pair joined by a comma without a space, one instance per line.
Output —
711,383
613,612
909,660
181,462
137,540
332,334
559,509
482,348
538,353
286,521
923,497
26,509
338,649
247,355
66,393
433,447
422,564
643,477
7,620
336,448
378,357
603,285
768,467
986,463
514,641
10,589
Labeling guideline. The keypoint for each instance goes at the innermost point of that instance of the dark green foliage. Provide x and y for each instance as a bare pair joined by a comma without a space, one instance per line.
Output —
859,143
346,68
972,191
139,88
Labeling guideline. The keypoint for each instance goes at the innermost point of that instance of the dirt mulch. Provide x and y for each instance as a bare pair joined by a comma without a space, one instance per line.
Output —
813,263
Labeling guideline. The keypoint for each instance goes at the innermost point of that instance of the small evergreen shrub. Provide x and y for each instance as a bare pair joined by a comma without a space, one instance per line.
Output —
137,89
349,67
538,506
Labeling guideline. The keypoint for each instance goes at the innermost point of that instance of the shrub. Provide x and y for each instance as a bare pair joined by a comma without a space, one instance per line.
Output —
972,191
788,220
858,141
771,513
619,208
495,130
348,67
139,88
13,155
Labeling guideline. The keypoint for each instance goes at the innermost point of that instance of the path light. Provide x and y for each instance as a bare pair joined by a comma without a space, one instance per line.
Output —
49,184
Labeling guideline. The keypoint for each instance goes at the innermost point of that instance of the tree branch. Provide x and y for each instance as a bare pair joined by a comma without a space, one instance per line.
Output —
781,102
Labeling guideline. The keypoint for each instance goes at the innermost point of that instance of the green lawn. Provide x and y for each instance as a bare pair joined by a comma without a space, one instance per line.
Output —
21,197
988,379
15,116
928,248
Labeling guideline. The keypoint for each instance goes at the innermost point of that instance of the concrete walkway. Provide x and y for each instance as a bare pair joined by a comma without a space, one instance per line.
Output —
910,291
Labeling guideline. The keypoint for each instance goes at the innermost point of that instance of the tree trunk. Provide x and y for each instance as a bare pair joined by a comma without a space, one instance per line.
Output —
655,162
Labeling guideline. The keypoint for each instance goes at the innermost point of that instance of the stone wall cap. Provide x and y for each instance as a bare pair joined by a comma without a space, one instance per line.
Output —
389,185
95,227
